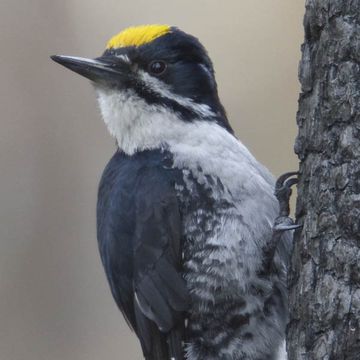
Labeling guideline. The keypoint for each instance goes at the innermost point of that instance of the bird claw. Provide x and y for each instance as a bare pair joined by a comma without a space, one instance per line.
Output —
283,192
285,223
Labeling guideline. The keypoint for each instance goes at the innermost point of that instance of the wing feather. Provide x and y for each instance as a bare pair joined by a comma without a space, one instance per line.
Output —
140,238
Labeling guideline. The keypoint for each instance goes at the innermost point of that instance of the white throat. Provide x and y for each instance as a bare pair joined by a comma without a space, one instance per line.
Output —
139,126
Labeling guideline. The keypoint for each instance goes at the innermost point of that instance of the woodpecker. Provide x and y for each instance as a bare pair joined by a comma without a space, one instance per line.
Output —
185,212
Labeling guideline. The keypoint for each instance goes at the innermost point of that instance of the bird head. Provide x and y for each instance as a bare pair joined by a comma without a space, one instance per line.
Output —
150,79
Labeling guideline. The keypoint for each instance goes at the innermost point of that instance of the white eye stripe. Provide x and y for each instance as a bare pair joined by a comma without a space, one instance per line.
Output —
124,58
158,86
206,70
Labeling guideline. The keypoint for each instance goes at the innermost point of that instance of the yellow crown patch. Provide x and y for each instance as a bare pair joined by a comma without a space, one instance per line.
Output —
137,36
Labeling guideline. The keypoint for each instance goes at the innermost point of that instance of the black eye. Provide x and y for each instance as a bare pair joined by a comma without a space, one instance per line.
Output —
157,67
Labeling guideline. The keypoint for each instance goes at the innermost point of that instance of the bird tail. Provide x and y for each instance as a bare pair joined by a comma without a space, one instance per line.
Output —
175,343
166,346
157,345
159,349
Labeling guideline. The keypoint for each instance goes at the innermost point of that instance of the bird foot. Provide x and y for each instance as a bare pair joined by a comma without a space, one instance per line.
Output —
283,222
283,192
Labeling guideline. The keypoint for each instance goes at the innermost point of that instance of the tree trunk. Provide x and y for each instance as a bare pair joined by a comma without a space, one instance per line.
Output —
325,271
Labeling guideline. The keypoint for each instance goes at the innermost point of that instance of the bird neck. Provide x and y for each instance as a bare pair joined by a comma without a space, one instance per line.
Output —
139,126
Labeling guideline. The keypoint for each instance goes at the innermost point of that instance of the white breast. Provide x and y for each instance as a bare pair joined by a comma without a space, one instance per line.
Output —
201,143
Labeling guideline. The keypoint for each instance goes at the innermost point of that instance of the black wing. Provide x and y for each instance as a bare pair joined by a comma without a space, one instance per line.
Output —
160,292
143,259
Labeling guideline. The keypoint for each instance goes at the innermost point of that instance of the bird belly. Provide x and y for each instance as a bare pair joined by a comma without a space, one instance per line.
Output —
222,256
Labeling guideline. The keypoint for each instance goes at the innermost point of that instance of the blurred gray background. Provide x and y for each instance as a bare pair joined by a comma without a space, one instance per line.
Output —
54,300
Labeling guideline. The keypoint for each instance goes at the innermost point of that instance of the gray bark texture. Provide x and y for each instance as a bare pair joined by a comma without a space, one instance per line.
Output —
325,271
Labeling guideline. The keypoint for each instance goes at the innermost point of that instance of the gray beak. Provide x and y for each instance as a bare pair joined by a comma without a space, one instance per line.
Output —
99,70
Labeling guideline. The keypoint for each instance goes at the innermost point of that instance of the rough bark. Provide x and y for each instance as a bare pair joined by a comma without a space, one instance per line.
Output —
325,271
